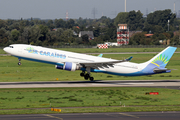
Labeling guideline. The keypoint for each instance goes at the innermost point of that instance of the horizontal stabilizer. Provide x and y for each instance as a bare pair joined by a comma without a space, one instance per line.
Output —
161,70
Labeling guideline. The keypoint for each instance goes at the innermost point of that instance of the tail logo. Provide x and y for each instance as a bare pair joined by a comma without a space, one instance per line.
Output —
160,60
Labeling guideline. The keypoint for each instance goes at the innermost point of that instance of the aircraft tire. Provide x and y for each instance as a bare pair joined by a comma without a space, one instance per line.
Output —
86,76
91,78
19,63
82,74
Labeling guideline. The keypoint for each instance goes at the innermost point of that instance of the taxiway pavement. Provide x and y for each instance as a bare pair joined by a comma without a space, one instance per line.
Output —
97,116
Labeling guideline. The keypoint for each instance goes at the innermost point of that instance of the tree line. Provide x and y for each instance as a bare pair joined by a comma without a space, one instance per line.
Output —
60,32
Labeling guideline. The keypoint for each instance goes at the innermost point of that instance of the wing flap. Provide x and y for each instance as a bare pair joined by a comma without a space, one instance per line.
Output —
101,64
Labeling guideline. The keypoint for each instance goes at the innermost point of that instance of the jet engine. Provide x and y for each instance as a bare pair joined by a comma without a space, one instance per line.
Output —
68,66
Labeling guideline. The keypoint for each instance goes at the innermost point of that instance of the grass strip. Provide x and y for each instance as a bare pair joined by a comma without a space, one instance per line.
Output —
86,97
93,110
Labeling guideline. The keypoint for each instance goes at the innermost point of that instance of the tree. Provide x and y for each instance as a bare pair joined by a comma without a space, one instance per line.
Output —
14,35
121,18
50,24
161,36
3,37
176,39
66,36
77,41
161,18
138,39
111,31
35,34
135,20
59,23
43,32
70,23
26,35
85,39
96,31
3,24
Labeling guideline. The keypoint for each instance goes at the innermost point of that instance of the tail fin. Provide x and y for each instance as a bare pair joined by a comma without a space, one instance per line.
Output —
100,55
162,59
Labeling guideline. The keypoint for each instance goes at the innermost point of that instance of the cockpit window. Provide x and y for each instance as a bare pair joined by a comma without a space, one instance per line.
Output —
11,46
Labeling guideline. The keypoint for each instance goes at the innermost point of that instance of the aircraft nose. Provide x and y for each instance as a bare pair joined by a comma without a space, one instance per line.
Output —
5,49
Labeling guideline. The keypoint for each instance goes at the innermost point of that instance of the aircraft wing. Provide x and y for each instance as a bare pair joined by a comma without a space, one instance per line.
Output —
97,65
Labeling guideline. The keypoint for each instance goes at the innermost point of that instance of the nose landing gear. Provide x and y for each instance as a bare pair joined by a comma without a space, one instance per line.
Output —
19,63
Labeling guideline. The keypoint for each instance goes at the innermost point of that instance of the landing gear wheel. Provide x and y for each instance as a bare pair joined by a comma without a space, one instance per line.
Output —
82,74
19,63
91,78
86,76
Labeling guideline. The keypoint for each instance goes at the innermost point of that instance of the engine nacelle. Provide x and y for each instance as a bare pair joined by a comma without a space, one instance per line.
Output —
68,66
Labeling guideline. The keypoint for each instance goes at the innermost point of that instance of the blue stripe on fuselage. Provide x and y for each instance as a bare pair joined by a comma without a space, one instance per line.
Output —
139,73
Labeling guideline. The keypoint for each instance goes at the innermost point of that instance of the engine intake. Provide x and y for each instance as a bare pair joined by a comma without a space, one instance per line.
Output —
68,66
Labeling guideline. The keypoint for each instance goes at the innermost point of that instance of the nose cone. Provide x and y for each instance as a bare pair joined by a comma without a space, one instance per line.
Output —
6,49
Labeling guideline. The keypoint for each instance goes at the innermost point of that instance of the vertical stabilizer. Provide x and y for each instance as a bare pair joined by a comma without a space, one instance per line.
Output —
162,59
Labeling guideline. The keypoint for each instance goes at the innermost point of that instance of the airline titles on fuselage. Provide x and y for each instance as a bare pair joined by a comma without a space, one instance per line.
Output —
46,53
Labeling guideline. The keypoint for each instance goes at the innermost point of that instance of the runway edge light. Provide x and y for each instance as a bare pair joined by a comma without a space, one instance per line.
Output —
54,109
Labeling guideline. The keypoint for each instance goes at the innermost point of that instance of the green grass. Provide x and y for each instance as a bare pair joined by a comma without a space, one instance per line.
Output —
133,98
109,50
34,71
83,97
92,110
2,51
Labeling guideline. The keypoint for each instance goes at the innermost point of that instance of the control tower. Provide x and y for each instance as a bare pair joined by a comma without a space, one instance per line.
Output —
122,34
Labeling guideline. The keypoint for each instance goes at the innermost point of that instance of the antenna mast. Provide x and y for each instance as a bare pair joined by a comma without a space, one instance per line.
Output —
67,17
125,5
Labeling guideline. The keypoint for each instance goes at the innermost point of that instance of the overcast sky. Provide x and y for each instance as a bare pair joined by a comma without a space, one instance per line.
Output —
52,9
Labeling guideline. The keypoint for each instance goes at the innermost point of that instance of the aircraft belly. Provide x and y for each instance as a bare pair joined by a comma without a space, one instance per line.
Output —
119,69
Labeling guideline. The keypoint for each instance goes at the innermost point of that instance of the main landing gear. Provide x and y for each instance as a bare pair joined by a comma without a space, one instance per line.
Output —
19,63
86,76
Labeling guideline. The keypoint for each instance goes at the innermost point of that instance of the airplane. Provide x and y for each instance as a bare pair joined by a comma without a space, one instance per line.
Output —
71,61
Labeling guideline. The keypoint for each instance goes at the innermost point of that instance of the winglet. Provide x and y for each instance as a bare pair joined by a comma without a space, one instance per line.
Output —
128,59
100,55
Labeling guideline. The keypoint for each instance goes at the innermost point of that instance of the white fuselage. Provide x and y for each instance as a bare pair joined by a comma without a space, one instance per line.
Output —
59,57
